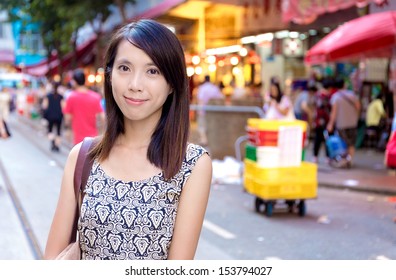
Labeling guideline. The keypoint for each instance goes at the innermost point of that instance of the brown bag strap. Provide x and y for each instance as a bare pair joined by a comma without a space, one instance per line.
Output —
81,174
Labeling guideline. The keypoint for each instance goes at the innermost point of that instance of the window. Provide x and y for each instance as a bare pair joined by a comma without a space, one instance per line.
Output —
30,43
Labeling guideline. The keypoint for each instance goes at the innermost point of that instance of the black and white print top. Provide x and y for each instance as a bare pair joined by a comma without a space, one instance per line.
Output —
131,220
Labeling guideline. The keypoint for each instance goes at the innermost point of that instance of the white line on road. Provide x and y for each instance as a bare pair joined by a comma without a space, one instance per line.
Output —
218,230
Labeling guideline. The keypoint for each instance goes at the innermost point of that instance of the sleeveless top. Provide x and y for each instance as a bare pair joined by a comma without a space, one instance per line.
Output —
122,220
54,110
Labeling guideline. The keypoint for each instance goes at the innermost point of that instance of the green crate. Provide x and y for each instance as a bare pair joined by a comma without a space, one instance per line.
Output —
251,152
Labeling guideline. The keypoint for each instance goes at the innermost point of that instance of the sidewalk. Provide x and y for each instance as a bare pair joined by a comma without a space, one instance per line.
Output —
367,174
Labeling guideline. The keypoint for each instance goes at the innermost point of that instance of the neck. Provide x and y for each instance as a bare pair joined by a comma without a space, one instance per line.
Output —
81,88
137,135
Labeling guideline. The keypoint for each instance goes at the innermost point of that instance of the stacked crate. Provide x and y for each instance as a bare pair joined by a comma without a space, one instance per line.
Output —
274,166
276,143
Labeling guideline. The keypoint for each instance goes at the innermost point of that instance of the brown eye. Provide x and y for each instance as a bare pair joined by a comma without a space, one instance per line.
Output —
123,68
153,71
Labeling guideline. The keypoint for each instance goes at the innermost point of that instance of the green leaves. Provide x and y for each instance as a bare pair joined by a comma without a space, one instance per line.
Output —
60,20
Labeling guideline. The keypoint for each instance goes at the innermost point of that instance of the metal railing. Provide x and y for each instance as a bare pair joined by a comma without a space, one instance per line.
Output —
230,108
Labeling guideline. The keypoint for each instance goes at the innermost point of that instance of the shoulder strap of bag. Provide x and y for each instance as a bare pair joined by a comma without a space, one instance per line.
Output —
81,174
349,100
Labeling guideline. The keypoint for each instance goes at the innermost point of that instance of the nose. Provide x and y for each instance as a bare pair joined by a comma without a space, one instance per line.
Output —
135,82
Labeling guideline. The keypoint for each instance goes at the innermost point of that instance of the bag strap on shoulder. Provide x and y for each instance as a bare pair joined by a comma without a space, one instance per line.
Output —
348,100
81,174
83,165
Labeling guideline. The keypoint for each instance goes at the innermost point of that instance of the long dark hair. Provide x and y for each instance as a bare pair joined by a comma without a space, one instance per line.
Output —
169,140
278,98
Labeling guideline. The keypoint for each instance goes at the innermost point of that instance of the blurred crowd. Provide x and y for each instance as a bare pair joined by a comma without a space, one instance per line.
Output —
331,106
68,110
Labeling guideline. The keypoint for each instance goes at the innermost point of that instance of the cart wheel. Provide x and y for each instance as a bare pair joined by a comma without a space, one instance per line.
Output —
301,208
269,207
290,205
259,205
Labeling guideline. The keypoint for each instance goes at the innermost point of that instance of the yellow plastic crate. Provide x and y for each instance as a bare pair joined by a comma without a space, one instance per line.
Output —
274,125
281,183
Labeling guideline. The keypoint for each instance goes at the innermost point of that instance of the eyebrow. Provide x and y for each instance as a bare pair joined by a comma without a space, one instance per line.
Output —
126,61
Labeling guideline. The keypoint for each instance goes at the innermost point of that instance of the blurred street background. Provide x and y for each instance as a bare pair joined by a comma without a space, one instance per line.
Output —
241,48
351,218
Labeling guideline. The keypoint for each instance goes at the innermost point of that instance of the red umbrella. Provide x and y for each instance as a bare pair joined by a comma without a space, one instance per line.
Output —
373,35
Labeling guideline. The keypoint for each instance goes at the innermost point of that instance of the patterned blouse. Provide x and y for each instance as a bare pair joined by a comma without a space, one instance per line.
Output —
131,220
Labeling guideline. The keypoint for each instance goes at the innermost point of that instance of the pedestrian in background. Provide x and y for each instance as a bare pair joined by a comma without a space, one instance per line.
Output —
4,133
303,105
344,116
280,105
148,188
83,109
206,91
52,106
375,112
322,111
5,102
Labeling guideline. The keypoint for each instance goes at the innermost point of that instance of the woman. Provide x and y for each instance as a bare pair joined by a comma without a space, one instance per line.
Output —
52,106
280,106
148,188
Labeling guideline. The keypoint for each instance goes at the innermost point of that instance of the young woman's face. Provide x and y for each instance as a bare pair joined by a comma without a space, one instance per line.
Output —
274,91
139,88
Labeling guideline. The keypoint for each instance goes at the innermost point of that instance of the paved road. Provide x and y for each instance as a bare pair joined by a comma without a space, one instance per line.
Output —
339,224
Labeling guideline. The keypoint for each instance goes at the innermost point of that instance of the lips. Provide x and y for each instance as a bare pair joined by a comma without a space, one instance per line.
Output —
135,101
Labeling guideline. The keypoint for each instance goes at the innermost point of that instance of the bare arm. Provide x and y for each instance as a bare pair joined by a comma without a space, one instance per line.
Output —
283,111
44,105
333,113
3,133
62,223
191,211
68,119
305,107
358,105
63,104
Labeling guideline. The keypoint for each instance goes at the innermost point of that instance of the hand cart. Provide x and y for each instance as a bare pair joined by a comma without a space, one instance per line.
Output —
273,166
293,185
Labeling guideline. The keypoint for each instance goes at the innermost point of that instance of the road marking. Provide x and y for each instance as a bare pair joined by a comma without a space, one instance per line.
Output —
31,237
350,183
218,230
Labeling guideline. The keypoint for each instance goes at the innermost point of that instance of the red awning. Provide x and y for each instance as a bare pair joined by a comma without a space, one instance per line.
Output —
368,36
303,12
158,9
82,56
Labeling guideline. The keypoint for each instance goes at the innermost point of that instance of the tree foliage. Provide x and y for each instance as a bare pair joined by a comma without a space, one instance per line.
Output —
60,20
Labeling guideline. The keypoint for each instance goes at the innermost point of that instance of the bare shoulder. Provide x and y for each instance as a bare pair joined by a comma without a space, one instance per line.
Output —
204,163
72,157
202,170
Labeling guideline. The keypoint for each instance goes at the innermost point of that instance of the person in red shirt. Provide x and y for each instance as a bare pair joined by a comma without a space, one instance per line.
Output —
82,109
